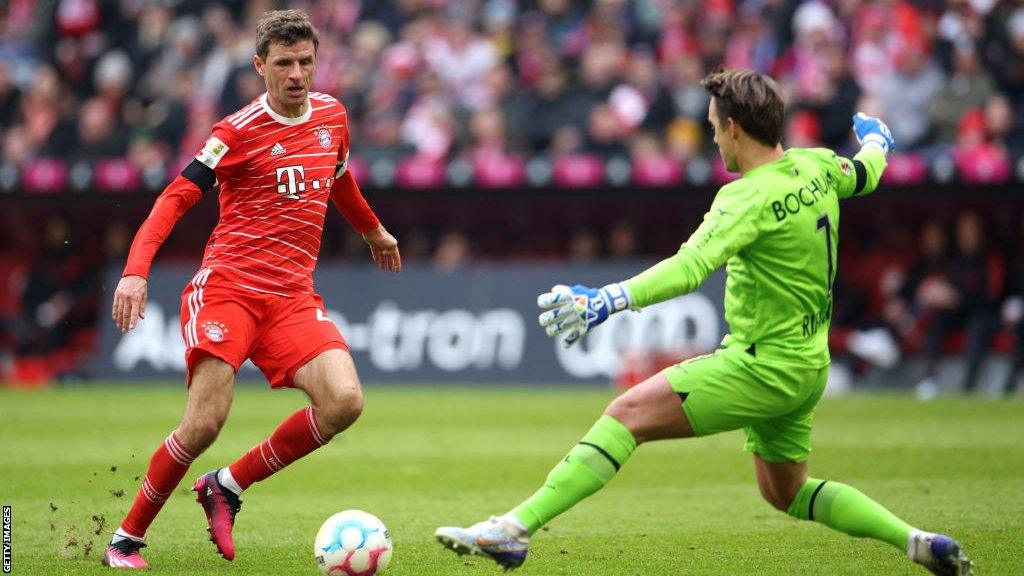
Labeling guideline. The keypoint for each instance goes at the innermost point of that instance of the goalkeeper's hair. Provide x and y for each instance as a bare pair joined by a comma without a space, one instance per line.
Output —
752,100
284,27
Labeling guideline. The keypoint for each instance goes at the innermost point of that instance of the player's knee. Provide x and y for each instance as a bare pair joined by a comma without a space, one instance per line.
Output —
340,409
628,410
779,500
197,434
623,407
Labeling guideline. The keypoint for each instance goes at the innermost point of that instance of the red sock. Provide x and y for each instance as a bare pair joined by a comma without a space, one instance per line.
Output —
297,436
166,469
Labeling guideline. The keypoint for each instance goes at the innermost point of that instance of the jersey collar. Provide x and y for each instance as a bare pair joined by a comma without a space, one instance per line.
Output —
284,119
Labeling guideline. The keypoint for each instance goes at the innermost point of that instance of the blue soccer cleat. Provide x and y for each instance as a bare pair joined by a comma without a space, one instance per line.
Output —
493,538
940,554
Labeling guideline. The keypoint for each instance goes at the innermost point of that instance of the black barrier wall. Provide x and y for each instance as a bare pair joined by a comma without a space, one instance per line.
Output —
477,325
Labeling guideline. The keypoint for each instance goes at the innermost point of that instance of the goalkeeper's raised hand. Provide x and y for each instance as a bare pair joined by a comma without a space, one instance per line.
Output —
873,132
572,312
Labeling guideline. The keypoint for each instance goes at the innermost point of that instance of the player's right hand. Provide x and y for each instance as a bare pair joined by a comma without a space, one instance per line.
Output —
872,131
130,302
572,312
384,249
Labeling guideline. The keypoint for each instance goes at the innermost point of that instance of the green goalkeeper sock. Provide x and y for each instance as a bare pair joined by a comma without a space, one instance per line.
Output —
848,510
583,471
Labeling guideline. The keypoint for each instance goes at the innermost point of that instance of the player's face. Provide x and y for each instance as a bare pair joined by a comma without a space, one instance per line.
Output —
288,73
726,144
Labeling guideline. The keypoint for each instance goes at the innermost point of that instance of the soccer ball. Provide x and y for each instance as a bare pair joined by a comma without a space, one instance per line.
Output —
352,543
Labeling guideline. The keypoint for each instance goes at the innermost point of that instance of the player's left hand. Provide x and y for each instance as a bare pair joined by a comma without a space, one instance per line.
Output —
572,312
872,131
384,249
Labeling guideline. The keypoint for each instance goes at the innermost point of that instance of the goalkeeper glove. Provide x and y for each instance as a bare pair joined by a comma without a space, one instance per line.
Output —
872,131
575,311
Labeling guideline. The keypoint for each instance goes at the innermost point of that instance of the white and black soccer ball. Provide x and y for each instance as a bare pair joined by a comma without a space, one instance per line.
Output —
353,543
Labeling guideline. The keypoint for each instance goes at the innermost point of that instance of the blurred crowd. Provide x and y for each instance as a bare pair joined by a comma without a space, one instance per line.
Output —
959,293
482,79
52,295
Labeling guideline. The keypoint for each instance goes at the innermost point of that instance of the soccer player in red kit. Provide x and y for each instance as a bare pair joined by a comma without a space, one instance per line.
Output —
278,162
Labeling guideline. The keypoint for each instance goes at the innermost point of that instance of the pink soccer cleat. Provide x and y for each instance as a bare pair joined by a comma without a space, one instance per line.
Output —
220,505
124,554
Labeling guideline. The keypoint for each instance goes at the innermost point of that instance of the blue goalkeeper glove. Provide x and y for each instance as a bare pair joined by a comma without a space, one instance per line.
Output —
572,312
872,131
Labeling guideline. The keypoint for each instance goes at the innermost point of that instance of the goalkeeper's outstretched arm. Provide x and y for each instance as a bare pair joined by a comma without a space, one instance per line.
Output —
728,226
679,274
571,312
876,143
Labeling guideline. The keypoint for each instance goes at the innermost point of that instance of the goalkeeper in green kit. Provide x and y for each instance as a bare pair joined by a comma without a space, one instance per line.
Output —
776,230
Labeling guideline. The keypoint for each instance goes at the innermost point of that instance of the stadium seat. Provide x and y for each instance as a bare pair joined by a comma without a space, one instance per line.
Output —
116,175
657,172
499,171
983,165
45,175
420,172
578,171
906,169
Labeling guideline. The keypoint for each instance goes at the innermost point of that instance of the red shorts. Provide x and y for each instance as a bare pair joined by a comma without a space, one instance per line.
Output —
278,334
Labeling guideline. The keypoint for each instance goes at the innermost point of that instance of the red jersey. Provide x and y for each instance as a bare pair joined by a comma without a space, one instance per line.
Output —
276,175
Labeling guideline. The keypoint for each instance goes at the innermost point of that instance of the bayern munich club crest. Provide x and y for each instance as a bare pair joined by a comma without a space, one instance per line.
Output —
324,135
215,331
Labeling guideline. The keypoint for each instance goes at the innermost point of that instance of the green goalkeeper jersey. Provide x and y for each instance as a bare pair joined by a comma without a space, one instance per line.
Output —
776,230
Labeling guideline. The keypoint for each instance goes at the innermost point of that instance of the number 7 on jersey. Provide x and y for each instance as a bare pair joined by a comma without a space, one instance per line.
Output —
823,222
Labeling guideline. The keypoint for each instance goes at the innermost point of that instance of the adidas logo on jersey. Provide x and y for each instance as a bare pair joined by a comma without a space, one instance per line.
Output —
276,150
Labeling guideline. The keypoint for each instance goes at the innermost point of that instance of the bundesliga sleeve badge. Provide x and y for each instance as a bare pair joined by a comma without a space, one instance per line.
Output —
212,153
845,166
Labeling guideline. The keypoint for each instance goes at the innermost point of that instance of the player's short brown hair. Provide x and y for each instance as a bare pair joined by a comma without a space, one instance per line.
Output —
285,27
752,100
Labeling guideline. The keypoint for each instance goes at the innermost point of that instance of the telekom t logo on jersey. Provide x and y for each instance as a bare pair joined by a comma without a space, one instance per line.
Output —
290,181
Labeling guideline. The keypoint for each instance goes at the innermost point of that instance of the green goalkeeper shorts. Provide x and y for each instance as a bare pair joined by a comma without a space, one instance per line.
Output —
772,402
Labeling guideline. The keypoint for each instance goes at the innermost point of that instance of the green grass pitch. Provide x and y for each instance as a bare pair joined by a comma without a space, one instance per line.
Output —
421,458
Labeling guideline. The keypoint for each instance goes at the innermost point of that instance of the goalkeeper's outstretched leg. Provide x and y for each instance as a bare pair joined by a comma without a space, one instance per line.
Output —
785,486
650,411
